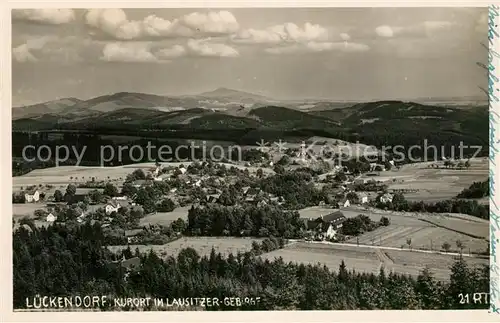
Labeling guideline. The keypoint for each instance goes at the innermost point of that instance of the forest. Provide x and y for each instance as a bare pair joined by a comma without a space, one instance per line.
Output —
65,261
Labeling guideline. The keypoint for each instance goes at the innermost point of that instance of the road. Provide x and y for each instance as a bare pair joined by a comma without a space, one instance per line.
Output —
384,248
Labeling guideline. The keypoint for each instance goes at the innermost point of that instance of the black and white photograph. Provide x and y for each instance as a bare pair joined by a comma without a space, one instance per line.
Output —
250,159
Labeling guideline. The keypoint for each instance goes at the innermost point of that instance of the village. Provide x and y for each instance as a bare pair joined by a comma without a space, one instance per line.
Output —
154,205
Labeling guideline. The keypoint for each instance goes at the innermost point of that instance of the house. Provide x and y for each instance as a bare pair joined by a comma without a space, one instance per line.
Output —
130,264
363,198
332,222
386,198
112,206
183,170
245,189
213,198
131,235
335,218
157,179
32,196
51,217
347,203
120,198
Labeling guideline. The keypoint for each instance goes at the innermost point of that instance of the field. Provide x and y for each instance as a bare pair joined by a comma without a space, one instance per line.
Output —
166,218
202,245
435,184
426,231
368,259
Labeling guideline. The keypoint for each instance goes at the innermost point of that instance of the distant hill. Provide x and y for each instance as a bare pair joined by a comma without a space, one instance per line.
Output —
221,99
55,106
226,93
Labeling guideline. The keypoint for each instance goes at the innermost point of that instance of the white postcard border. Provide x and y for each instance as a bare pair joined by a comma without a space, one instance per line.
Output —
7,315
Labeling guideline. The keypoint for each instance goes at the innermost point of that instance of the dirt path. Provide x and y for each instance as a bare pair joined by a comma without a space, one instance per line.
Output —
386,261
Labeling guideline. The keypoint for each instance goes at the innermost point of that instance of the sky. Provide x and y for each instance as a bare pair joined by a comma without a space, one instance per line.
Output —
353,54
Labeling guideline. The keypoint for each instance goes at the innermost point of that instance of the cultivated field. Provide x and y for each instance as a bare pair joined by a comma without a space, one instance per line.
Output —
426,230
165,218
367,259
26,209
202,245
425,238
435,184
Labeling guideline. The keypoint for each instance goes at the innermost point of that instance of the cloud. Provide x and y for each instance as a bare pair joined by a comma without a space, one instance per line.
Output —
285,33
170,53
50,48
345,36
114,23
44,16
23,53
384,31
426,28
129,53
318,47
207,49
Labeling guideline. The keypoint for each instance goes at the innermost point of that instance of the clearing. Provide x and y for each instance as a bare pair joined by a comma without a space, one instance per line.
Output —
203,245
368,259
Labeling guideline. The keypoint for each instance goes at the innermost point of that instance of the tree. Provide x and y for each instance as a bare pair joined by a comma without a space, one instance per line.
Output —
18,198
71,190
179,225
385,221
467,164
260,173
40,213
110,190
279,169
352,197
128,189
166,205
58,196
95,196
408,242
460,245
446,247
137,174
428,290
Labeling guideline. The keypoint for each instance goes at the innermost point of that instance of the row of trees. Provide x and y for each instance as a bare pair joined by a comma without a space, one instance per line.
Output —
62,261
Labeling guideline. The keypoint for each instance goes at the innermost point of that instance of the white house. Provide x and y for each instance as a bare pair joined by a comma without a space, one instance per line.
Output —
347,203
120,198
183,170
51,217
31,197
330,232
364,199
157,179
111,207
386,198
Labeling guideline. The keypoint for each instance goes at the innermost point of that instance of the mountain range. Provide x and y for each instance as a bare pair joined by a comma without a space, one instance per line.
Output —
225,108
